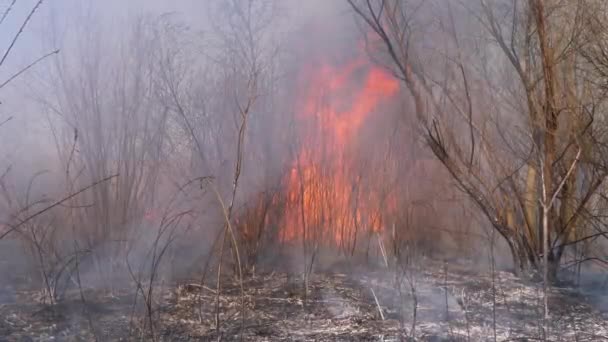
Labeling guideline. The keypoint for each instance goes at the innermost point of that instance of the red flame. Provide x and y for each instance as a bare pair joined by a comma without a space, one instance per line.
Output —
337,102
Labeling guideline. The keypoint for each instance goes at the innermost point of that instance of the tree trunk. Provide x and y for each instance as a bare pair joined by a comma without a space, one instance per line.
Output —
552,268
524,259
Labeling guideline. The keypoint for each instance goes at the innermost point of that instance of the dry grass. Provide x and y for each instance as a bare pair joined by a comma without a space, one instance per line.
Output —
339,307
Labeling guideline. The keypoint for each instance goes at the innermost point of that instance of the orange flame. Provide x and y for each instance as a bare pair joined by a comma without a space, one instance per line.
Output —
322,201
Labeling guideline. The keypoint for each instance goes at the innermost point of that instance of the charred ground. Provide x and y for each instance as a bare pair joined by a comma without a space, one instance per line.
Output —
452,304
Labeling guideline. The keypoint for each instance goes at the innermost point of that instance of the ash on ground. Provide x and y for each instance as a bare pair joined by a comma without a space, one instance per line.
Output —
434,303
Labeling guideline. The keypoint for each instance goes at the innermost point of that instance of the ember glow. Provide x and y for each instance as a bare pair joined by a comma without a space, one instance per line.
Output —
324,201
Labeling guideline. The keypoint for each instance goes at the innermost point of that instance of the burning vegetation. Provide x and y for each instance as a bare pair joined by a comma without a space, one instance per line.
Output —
325,198
374,170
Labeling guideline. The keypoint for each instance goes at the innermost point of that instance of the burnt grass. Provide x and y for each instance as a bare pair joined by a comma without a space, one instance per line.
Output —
453,304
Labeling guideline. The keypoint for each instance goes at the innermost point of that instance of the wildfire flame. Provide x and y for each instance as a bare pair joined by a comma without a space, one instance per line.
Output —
322,201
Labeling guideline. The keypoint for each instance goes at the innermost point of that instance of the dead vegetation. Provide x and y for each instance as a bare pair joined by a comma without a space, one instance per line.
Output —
239,186
340,306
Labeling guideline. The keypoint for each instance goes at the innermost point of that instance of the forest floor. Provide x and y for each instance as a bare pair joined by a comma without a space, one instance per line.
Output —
452,304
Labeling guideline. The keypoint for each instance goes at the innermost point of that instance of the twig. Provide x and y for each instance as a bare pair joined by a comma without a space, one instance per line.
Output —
377,303
463,303
6,120
42,211
82,297
16,37
8,9
382,250
26,68
238,259
445,288
411,281
546,205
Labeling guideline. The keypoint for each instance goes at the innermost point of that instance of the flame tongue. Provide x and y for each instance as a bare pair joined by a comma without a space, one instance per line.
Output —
322,201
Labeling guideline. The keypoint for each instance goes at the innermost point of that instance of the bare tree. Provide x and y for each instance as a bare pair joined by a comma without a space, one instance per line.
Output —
101,129
239,60
550,101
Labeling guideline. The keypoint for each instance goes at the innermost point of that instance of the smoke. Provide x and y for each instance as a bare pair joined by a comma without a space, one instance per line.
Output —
150,91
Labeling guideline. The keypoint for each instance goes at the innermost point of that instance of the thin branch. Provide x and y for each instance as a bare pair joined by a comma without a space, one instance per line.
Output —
604,234
65,199
6,120
561,185
8,9
18,73
377,303
16,37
